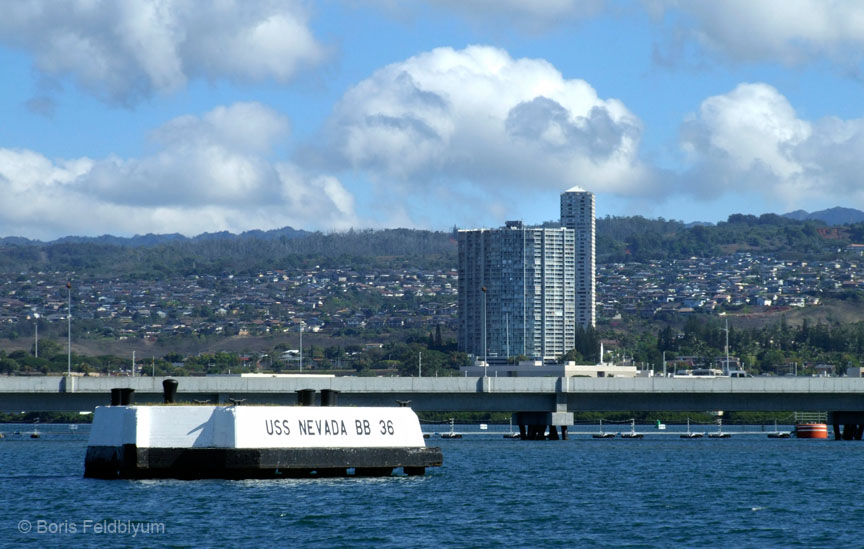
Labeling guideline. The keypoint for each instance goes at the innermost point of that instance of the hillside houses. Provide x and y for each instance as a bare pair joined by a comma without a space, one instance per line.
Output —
665,288
266,302
339,300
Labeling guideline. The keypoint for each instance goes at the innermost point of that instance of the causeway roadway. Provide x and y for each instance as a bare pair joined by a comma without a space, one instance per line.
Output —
445,394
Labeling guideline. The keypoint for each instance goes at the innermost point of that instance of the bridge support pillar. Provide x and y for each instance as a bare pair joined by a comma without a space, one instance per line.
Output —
533,425
852,422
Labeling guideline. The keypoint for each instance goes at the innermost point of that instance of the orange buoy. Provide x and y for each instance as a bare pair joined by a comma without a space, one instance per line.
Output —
811,430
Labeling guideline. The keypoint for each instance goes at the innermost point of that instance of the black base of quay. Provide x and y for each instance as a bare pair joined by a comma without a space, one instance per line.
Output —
131,462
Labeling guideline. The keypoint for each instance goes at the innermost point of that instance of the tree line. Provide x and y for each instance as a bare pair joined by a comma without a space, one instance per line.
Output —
778,348
619,239
417,350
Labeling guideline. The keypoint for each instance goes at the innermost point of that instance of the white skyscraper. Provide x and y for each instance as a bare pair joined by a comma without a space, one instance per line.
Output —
517,292
524,290
577,213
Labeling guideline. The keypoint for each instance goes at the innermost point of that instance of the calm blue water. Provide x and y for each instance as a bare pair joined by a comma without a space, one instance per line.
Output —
747,491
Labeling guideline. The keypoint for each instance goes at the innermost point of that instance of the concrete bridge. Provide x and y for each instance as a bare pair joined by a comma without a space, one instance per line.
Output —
489,394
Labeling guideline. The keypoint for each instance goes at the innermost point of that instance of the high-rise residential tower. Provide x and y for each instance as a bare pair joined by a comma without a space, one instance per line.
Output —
577,213
523,291
517,291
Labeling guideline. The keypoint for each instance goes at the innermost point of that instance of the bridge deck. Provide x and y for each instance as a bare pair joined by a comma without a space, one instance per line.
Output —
61,393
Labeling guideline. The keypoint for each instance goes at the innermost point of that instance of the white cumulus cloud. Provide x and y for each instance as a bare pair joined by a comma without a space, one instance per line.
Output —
788,31
792,32
479,115
751,139
528,14
210,174
125,51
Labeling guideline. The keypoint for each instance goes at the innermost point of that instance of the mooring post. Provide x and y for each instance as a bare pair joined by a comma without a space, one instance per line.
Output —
306,397
169,390
127,396
329,397
115,397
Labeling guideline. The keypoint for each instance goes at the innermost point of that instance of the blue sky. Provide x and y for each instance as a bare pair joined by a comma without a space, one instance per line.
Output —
168,116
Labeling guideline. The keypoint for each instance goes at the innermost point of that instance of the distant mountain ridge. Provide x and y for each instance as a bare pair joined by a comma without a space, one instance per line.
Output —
151,239
832,216
619,239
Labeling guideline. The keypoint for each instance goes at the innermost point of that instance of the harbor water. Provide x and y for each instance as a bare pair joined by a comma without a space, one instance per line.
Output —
746,491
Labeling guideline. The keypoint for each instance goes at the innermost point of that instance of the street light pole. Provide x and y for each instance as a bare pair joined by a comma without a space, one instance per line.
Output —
726,367
485,354
69,330
36,343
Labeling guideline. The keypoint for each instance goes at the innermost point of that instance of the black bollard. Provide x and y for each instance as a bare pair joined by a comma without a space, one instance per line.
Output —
169,390
115,397
329,397
127,396
306,397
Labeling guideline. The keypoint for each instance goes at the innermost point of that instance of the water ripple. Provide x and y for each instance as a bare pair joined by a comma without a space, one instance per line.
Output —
489,493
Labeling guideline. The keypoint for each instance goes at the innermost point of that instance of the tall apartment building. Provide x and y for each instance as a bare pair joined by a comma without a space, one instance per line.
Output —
577,213
519,287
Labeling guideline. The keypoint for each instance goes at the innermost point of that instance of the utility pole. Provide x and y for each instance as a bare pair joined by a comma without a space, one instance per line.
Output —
69,330
420,364
485,354
36,342
133,363
507,322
